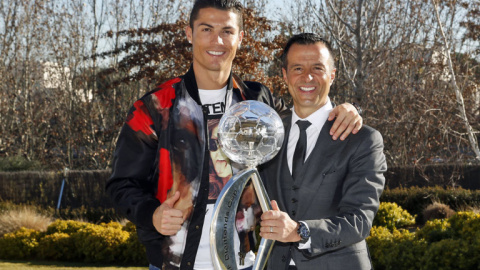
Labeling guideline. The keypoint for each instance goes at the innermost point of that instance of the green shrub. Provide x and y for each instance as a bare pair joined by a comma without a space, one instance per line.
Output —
415,199
441,244
74,240
392,216
462,222
66,226
112,224
450,254
435,230
379,241
397,249
454,243
18,163
100,243
21,244
57,246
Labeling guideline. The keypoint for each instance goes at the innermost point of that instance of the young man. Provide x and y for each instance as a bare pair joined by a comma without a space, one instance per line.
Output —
325,193
166,172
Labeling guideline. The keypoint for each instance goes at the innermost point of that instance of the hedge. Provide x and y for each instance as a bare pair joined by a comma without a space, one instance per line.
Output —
415,199
452,243
77,241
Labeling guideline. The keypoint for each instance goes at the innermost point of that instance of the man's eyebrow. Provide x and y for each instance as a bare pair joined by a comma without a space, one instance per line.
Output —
211,26
295,65
205,24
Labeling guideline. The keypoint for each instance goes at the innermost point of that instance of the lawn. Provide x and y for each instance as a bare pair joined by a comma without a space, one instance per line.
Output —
28,265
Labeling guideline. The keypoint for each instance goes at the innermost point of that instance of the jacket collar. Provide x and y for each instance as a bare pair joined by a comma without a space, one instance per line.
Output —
192,88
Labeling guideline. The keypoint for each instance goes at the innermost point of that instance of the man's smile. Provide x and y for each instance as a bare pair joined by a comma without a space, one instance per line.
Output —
215,53
307,89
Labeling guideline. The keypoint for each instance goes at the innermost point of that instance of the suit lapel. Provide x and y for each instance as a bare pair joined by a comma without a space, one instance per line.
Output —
319,162
280,163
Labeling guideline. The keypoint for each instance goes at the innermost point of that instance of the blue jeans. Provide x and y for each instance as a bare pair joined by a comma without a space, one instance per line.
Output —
152,267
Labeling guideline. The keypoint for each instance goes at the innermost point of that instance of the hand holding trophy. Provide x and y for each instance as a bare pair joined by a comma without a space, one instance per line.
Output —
250,133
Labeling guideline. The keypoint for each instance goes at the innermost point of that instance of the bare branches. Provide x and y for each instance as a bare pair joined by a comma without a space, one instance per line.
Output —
458,94
337,15
388,54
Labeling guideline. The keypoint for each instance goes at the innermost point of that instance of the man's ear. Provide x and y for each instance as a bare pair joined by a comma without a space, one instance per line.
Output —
240,37
284,72
189,33
332,76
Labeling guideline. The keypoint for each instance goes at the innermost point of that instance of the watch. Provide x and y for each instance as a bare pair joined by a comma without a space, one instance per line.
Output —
303,231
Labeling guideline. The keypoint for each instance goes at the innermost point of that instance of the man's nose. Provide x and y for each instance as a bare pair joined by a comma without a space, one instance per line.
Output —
217,39
308,77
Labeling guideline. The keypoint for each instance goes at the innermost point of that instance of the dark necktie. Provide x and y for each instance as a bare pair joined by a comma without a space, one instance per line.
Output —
300,149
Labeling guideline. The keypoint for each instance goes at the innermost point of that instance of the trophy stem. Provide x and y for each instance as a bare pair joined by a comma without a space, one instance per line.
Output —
262,196
266,245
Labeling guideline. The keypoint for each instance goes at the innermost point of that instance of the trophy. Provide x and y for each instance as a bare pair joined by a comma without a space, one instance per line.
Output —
249,133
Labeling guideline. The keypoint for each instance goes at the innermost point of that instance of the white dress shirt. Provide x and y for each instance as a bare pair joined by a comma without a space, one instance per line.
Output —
317,119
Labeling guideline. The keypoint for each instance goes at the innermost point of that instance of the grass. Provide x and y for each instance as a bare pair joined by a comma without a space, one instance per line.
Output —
30,265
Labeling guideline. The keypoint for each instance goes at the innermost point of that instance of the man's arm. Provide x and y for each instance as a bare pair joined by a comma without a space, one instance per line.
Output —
128,186
131,186
360,199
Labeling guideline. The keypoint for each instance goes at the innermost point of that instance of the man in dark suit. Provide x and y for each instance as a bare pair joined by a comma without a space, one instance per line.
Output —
323,211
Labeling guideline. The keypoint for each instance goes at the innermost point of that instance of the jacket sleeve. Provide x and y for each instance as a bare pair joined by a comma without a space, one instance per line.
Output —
131,185
260,92
278,104
360,195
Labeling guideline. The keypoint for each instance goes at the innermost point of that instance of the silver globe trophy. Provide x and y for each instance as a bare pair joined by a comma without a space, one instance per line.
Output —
250,133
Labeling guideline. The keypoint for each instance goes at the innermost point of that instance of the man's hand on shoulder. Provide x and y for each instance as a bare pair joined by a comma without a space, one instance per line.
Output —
166,219
277,225
347,120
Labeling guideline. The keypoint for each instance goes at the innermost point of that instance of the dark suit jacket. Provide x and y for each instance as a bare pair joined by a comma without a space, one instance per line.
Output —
338,197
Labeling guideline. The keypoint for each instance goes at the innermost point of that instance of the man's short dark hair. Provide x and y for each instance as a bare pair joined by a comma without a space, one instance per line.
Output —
306,39
226,5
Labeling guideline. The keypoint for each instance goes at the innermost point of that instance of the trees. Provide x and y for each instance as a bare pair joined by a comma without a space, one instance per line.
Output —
390,57
458,94
70,70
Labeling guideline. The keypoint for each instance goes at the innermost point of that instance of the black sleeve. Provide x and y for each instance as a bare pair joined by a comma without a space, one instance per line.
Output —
131,186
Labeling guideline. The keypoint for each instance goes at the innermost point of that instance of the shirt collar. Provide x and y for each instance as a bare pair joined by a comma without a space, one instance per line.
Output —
317,118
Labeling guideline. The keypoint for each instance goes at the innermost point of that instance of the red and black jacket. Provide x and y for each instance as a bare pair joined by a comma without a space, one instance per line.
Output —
162,148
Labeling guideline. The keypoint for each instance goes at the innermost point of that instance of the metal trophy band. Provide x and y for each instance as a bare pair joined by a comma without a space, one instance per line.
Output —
250,133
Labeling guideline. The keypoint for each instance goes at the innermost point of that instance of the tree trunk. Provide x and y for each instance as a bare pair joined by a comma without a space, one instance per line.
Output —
458,94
